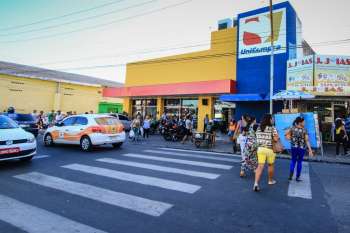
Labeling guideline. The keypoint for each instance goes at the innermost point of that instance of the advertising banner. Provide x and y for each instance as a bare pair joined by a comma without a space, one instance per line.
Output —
255,34
300,74
332,75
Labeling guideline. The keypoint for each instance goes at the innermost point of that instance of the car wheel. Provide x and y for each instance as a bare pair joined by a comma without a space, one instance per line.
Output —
26,159
117,145
48,140
85,143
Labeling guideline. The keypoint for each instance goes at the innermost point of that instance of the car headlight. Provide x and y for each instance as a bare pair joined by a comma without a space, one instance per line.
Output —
31,140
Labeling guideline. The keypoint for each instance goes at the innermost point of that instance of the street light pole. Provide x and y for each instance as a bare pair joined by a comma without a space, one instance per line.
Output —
271,58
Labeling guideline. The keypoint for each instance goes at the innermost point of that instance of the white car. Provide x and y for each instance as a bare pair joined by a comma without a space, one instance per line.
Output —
15,143
87,131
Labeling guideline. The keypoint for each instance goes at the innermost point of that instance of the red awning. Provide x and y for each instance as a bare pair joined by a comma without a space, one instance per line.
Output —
190,88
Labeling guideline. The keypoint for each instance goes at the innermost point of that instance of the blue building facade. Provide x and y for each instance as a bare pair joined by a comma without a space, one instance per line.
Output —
253,58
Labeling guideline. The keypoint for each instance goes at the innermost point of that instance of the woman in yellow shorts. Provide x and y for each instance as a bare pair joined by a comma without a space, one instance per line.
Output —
265,135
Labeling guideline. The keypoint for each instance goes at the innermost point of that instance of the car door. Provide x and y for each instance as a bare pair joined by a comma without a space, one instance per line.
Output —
64,129
125,121
78,129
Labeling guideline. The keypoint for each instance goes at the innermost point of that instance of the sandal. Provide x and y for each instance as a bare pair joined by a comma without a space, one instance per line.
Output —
273,182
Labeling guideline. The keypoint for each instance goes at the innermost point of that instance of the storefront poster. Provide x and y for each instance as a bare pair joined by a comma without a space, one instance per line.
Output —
332,75
300,74
284,122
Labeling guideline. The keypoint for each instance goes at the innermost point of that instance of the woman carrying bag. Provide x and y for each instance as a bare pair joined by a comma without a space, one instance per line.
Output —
299,140
266,137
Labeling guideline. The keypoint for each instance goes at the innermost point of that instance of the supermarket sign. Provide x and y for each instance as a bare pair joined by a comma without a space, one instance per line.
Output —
255,34
300,74
320,74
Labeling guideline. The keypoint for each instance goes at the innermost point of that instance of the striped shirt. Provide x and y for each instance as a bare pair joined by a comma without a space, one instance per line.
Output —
264,139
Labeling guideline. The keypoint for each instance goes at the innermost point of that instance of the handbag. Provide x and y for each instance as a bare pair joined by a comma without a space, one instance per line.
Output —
277,146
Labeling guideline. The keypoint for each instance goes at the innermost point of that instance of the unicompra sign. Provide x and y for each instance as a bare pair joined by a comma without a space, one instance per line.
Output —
255,34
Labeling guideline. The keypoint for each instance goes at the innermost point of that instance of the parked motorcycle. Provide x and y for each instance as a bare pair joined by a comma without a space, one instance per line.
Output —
173,132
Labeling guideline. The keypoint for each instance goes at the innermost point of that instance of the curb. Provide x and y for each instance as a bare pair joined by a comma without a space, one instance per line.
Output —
316,160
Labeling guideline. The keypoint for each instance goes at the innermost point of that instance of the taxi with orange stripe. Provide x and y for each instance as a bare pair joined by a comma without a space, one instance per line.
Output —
87,131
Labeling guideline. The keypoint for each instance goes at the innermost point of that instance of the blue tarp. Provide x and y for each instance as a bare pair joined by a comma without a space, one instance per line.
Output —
284,121
244,97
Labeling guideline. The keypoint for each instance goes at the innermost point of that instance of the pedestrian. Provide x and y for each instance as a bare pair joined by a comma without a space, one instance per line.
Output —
35,115
136,128
231,133
347,129
239,134
188,126
59,116
51,117
299,140
40,120
266,134
146,127
242,139
206,121
340,136
250,151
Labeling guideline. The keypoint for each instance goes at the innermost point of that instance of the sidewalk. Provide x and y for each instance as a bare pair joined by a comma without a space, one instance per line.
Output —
223,145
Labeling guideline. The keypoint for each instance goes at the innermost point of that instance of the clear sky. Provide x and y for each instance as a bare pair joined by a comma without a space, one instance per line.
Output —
139,29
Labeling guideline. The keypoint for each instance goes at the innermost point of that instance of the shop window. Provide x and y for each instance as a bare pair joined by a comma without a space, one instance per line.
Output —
145,107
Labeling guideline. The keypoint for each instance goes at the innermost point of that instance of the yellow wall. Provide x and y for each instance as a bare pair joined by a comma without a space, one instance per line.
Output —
26,94
191,67
203,110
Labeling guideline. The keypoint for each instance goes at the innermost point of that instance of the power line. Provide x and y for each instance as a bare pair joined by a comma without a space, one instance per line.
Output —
212,42
77,20
61,16
99,25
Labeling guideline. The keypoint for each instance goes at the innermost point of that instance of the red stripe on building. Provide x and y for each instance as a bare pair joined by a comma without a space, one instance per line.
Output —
190,88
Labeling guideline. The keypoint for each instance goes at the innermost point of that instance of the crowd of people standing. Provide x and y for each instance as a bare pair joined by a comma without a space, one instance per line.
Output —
259,144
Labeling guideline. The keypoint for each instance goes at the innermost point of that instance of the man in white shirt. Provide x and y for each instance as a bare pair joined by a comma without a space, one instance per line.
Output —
189,126
59,116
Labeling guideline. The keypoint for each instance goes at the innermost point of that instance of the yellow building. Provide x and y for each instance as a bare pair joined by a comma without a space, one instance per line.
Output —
27,88
182,84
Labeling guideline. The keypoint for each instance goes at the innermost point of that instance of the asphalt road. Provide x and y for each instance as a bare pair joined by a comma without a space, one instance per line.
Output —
135,190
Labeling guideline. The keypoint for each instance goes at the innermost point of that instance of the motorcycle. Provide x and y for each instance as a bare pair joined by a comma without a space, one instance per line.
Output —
173,132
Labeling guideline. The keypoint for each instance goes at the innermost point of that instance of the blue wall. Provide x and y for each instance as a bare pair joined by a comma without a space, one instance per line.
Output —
253,74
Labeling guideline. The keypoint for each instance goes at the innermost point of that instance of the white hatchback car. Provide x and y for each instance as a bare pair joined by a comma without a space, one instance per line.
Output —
87,131
15,143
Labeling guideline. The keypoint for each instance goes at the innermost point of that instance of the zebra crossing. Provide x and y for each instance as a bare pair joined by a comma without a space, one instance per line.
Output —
162,163
170,169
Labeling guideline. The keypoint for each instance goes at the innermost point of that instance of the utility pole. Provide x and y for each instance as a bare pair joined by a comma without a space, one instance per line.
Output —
271,57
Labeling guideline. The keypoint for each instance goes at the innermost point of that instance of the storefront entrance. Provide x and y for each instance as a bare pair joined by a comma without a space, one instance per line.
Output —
327,112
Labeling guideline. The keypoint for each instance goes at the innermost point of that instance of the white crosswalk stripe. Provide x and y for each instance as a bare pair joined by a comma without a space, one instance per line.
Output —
200,152
205,175
131,202
35,220
192,156
146,180
301,189
180,161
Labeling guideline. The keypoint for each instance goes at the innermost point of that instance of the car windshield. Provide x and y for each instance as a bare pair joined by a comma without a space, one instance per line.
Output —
107,121
24,117
7,123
